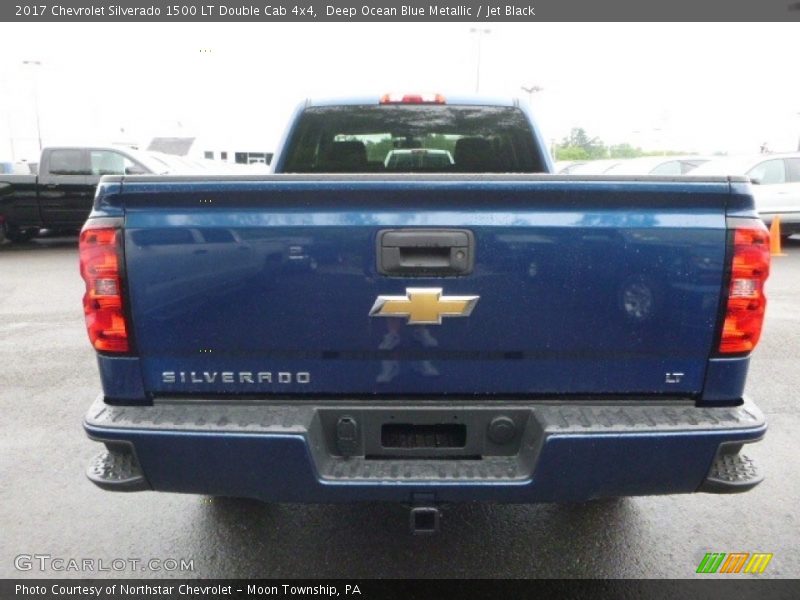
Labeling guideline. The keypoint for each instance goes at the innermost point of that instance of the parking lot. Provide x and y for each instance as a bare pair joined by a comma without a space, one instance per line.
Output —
48,378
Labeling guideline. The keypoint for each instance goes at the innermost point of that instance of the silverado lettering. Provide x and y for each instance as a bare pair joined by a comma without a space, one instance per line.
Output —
232,377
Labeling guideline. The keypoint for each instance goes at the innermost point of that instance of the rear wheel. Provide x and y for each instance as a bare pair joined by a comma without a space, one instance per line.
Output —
18,235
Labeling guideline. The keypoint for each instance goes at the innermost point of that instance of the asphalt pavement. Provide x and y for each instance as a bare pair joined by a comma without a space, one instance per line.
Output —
48,378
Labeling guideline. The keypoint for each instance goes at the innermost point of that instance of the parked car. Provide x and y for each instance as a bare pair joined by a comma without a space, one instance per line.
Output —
14,168
657,165
330,334
565,167
184,165
60,196
420,158
176,165
594,167
776,184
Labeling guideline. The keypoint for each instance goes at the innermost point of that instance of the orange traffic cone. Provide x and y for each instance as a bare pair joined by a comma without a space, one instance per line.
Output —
775,237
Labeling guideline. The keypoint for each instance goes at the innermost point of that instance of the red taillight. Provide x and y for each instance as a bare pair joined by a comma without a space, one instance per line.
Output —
744,313
412,99
99,251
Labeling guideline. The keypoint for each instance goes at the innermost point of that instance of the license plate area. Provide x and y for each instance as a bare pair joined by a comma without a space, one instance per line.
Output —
423,433
408,435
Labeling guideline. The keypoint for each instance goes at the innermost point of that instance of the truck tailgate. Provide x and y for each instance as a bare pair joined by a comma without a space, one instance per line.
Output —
577,287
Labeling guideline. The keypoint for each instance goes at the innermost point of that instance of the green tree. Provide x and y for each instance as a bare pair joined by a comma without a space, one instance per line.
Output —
377,151
571,153
438,141
579,146
624,151
578,140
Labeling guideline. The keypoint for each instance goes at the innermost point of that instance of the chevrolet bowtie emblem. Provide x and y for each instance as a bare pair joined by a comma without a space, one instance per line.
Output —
423,306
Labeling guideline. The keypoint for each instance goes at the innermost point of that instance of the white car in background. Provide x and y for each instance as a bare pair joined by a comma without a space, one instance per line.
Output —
776,184
594,167
658,165
645,165
175,165
565,167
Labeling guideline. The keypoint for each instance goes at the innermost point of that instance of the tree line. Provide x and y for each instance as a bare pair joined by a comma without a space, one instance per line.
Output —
579,146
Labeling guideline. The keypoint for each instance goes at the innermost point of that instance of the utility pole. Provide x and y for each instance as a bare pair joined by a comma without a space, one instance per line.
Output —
11,137
36,63
480,32
660,138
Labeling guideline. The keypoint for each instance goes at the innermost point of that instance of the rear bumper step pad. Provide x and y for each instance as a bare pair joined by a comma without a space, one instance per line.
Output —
560,451
732,474
117,470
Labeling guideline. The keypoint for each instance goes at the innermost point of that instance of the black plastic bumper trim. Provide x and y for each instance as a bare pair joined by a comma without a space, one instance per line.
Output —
117,469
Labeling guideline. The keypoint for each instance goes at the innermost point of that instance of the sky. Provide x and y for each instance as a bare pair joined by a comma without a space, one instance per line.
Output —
697,87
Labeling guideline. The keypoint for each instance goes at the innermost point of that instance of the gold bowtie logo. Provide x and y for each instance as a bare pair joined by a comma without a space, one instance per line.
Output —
423,306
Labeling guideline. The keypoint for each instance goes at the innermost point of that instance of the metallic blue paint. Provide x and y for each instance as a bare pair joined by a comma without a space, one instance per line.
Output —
107,200
741,203
122,379
725,379
279,276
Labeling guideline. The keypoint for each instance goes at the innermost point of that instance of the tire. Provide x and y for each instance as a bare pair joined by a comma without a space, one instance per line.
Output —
17,235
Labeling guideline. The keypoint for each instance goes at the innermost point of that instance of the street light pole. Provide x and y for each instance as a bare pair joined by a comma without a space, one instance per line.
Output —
36,63
480,31
11,137
531,90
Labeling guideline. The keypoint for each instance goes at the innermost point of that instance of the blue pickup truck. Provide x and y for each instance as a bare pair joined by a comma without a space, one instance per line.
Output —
474,329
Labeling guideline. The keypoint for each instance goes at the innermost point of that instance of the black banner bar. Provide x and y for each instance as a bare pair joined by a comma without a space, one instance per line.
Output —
476,11
741,587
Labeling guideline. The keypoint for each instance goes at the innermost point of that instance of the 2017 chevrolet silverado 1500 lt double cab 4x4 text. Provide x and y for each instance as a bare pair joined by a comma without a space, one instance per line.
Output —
61,195
333,332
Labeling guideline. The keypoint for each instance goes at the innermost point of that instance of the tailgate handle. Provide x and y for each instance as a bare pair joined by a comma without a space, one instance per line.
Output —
425,252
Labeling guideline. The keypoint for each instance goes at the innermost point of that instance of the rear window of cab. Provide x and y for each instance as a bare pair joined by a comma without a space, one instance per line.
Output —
413,138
